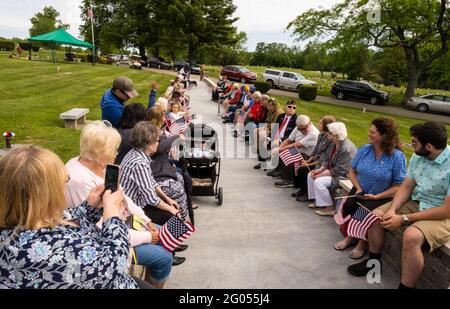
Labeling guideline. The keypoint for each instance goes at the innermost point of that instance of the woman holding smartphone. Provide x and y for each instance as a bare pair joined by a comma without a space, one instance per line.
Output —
43,243
98,147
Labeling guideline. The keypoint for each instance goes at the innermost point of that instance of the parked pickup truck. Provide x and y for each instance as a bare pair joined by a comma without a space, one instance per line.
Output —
285,80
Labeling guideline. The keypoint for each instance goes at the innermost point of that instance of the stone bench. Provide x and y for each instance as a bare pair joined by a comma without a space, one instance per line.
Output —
74,117
436,271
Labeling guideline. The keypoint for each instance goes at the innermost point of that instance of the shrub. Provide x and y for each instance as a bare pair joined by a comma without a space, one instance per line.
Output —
28,46
307,92
262,86
7,45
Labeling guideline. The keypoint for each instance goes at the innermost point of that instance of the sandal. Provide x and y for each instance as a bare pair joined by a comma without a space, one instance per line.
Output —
357,254
343,244
194,206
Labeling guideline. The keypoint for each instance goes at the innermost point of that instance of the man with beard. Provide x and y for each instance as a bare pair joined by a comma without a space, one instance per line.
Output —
421,204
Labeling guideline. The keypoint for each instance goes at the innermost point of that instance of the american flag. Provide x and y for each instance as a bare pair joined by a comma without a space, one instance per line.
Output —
292,155
360,223
178,126
174,232
242,116
91,13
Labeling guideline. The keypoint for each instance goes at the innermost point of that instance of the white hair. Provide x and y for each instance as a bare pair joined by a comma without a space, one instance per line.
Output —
168,91
338,129
163,102
302,120
257,95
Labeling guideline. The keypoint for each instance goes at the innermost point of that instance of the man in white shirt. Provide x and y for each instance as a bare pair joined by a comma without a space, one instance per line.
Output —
304,138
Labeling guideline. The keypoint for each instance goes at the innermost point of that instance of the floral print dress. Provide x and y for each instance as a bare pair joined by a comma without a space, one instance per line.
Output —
67,256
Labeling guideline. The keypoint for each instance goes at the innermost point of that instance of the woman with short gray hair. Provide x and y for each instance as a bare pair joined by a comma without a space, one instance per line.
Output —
137,179
336,166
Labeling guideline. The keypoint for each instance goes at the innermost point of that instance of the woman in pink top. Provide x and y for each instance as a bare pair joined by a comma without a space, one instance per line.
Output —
98,147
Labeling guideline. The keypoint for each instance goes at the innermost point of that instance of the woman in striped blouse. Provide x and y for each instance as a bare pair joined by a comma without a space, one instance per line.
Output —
137,179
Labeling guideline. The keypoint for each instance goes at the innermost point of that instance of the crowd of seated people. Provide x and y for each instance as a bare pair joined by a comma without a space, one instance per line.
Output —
60,228
416,198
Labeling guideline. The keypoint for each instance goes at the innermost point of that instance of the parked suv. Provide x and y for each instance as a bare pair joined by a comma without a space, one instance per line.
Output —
286,80
344,89
235,72
431,102
159,63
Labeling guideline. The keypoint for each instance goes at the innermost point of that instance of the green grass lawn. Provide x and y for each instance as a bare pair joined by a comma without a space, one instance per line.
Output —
326,82
33,94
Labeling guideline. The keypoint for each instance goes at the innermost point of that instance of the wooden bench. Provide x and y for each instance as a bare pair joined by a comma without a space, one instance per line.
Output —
74,117
436,271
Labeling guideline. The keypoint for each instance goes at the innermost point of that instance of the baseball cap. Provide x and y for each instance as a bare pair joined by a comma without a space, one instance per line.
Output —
126,85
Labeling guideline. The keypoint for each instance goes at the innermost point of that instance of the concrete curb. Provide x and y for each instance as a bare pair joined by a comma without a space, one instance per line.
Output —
209,82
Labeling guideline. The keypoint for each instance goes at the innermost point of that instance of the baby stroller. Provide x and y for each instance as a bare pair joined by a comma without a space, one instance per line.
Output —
202,161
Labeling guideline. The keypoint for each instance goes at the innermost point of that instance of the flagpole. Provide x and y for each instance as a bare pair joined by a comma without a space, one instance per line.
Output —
303,159
93,39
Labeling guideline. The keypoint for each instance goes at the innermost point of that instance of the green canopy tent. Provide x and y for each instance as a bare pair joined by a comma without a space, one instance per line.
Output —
60,37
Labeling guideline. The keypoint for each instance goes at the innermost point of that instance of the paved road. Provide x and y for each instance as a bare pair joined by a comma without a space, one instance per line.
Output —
260,237
391,110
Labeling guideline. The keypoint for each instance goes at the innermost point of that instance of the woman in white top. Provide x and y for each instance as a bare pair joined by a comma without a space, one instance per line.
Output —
98,147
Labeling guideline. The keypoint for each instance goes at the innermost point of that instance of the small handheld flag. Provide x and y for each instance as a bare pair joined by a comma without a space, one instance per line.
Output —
178,126
174,232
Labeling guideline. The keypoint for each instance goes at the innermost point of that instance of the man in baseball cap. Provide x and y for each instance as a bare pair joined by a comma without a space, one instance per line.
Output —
112,102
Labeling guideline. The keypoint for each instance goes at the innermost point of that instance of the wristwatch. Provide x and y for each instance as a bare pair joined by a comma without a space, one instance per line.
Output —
405,221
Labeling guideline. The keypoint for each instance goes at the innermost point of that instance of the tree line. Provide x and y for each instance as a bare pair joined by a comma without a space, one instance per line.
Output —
384,66
196,30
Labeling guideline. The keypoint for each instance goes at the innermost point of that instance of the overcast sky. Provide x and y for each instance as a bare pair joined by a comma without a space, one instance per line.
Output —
263,20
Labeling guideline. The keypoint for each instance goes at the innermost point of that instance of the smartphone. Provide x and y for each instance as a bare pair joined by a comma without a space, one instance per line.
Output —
112,177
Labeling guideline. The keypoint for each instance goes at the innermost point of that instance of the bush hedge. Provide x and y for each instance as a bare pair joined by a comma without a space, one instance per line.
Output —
7,45
28,46
262,86
307,92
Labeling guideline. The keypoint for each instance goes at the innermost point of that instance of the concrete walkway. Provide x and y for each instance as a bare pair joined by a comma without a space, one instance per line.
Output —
260,237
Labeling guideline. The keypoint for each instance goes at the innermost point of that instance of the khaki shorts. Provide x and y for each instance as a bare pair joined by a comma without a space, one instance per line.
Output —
436,232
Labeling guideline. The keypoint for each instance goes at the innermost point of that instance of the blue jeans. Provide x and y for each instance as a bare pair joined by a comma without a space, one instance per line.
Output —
155,257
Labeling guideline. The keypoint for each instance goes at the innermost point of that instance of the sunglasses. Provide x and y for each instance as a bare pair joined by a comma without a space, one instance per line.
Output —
292,106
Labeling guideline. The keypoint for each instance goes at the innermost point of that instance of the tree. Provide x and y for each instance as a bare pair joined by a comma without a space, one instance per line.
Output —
409,24
46,21
172,27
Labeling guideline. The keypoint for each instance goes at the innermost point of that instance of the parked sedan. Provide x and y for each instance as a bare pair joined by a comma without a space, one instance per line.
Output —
431,102
235,72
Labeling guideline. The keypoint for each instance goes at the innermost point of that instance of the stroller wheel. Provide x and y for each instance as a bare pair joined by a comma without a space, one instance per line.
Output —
220,196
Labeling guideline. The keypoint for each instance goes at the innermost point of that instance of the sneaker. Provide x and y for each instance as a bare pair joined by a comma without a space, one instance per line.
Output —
312,205
257,166
329,213
304,198
284,184
277,174
297,194
271,172
359,269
